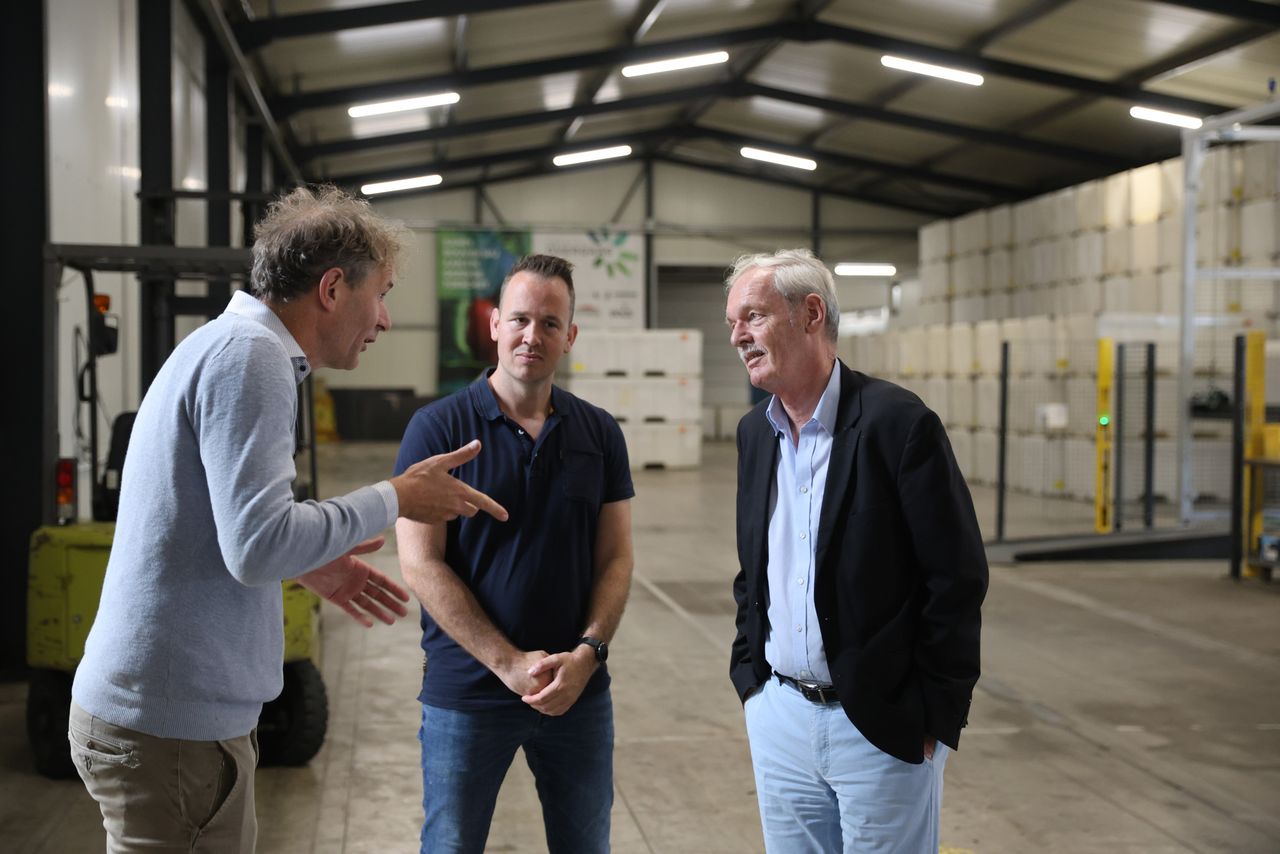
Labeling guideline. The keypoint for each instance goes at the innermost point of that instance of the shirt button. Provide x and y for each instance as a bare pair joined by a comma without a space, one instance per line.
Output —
799,581
804,489
804,536
799,628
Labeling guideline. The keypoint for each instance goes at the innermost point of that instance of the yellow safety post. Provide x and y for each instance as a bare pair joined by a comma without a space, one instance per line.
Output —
1102,508
1255,445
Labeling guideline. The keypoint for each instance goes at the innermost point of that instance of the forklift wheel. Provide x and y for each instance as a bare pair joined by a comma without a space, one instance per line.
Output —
292,726
48,706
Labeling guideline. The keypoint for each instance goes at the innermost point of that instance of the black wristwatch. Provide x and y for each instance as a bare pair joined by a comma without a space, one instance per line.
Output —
601,648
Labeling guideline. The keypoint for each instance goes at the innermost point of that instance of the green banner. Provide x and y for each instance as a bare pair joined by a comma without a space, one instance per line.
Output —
470,268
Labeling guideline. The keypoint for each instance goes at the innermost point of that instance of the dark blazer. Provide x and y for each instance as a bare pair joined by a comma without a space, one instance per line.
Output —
901,570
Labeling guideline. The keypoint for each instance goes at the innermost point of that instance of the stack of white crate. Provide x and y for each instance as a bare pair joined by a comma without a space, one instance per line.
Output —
651,382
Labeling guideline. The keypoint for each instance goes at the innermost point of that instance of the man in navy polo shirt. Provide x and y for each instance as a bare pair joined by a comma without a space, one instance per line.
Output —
517,616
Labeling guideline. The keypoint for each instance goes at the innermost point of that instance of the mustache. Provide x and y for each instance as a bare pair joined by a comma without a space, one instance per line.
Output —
750,351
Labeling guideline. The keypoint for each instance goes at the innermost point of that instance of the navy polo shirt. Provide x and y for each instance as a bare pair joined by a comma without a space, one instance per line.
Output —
532,574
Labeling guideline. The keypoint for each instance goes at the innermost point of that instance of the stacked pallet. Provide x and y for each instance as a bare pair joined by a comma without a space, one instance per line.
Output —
651,382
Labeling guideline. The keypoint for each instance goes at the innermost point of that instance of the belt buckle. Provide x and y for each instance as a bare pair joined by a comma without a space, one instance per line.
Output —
815,693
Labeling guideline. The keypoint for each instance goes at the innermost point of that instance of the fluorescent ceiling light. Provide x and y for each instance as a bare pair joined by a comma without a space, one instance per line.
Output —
1167,118
780,159
400,184
852,269
953,74
589,156
421,102
678,64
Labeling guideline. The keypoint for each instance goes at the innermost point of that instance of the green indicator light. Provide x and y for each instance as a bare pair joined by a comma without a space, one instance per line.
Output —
1103,420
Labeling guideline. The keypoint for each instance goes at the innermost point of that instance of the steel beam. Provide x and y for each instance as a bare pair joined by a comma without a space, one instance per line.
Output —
287,105
1244,10
254,34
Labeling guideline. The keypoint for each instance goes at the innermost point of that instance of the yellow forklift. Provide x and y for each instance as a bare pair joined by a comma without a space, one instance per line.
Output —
68,557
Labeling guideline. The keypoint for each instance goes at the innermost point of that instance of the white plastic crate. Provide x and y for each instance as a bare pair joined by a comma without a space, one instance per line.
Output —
935,241
1053,481
1218,234
986,346
1117,250
1144,194
1115,200
1171,183
1261,170
1084,255
637,353
961,399
1084,297
913,352
1170,241
937,396
962,448
997,305
935,280
1136,293
971,233
1000,226
986,403
663,445
1062,212
1143,247
1082,404
640,399
1080,467
1221,176
969,309
961,356
1260,231
999,274
969,274
1091,212
985,450
937,350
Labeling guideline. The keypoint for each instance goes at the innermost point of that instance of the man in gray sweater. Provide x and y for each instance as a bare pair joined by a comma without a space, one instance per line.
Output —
188,640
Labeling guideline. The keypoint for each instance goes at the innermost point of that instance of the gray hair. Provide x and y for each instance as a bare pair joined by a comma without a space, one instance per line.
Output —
795,273
309,231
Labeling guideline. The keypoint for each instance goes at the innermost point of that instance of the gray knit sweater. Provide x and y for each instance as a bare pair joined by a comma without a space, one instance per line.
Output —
189,634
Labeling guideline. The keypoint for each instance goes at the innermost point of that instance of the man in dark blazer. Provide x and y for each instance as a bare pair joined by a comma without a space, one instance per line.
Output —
862,574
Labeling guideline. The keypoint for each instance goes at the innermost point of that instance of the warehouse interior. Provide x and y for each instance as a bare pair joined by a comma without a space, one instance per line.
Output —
1056,234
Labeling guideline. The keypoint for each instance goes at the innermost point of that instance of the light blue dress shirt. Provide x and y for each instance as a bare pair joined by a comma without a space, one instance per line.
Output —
794,646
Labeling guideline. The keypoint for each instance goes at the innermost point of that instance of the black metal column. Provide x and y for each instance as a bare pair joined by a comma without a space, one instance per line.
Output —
217,146
1002,438
1117,430
1149,443
155,113
815,223
650,263
1237,459
30,434
251,210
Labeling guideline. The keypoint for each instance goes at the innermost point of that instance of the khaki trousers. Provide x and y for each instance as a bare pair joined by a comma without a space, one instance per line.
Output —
167,794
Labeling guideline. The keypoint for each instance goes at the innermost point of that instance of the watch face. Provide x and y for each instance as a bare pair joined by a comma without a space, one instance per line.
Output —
602,652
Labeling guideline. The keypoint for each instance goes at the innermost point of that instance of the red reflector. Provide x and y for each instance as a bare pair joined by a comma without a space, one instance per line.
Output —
102,302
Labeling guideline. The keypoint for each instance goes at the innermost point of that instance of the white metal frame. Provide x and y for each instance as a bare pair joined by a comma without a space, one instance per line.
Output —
1236,126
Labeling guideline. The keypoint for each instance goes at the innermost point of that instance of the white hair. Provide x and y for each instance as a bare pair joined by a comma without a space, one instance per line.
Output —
795,273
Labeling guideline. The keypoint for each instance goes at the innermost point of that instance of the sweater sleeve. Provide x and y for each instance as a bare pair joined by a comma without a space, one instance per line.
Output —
242,412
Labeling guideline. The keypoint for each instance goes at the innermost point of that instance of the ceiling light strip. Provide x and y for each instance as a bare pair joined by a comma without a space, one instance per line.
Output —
955,75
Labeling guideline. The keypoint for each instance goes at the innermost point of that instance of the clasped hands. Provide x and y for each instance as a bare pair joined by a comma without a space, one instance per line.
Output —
551,684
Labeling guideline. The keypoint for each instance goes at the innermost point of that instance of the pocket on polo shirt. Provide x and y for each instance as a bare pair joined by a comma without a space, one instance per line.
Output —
583,475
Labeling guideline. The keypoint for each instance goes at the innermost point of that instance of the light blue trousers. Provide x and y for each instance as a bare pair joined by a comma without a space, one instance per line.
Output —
824,788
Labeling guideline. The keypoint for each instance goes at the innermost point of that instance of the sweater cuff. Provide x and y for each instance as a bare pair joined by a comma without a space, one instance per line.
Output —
389,500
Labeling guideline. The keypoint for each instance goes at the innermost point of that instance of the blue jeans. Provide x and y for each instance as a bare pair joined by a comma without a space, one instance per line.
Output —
466,754
824,788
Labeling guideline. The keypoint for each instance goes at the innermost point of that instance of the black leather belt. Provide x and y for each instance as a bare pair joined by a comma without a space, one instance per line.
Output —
811,691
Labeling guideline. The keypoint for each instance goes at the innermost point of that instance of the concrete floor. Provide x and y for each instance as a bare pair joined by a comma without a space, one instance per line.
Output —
1124,707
